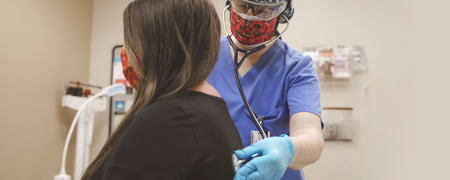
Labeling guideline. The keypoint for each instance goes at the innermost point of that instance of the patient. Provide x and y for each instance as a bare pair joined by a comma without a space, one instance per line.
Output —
178,126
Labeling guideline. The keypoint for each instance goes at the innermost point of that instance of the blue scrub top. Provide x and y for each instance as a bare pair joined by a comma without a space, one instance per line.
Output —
281,83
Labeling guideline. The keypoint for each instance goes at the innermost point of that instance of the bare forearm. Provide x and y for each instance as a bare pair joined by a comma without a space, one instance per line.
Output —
306,135
308,148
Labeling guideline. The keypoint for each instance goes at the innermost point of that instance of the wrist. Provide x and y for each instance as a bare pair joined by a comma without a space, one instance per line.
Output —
290,144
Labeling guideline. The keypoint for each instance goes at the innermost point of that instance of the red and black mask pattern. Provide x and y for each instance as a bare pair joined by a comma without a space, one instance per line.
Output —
250,32
128,71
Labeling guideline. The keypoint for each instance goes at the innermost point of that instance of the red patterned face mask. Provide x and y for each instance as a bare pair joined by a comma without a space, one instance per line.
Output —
251,32
128,71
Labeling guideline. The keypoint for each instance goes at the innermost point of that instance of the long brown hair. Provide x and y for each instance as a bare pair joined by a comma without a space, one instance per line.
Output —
173,46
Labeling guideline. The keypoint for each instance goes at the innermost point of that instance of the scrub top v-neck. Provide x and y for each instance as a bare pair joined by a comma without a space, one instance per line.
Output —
252,72
281,83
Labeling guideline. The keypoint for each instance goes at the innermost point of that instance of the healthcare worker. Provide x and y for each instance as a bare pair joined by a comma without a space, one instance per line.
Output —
281,87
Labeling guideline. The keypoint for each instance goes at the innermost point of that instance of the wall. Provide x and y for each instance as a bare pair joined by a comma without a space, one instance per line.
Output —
382,111
397,119
107,32
43,44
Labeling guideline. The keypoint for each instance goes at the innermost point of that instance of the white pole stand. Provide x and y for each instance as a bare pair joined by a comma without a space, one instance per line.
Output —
84,129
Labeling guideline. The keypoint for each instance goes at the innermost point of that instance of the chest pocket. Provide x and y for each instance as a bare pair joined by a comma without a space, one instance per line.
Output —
277,113
277,121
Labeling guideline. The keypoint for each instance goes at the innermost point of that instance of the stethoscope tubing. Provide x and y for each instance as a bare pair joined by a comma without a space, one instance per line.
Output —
237,65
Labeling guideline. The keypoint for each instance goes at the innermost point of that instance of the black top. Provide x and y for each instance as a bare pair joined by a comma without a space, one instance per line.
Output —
187,137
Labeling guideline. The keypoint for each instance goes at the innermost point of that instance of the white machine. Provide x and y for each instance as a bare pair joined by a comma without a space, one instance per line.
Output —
85,127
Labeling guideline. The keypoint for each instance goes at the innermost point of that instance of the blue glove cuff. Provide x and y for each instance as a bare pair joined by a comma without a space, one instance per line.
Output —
291,144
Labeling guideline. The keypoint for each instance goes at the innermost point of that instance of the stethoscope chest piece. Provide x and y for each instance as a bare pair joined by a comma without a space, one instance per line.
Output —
235,163
239,163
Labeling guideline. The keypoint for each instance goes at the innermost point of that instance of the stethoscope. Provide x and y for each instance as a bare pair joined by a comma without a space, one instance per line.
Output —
257,120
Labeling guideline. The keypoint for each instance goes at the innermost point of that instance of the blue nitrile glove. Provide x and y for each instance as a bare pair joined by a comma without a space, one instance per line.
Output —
276,154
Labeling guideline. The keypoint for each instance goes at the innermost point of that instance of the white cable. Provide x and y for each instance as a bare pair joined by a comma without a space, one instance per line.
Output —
69,135
109,91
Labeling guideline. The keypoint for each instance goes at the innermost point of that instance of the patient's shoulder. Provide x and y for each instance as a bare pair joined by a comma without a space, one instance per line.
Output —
207,89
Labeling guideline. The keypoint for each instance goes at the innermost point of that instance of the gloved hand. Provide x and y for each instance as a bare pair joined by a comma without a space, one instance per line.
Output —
276,154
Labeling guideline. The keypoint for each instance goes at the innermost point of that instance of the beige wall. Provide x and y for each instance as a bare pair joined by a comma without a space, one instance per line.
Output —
42,45
382,118
107,32
398,119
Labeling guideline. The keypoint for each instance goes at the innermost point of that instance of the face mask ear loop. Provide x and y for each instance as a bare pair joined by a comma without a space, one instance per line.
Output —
279,36
278,22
